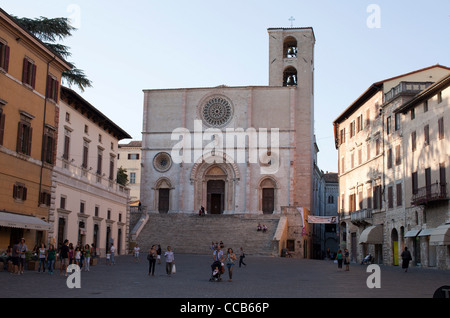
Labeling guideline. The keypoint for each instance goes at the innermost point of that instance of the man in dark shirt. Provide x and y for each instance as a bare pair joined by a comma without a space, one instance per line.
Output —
64,252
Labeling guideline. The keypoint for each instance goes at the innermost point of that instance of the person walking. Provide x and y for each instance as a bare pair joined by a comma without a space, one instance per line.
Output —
51,257
87,257
71,253
42,255
230,261
241,257
152,256
170,260
347,260
339,258
406,258
15,256
137,249
158,253
64,253
77,255
112,250
22,250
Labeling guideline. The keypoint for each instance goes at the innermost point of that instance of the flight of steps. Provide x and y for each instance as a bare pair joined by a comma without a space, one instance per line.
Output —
193,234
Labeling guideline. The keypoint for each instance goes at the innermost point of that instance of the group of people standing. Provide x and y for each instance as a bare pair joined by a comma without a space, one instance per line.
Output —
345,258
228,260
154,255
79,255
47,257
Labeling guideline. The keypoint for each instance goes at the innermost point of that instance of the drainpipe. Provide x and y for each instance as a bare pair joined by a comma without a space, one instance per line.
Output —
43,129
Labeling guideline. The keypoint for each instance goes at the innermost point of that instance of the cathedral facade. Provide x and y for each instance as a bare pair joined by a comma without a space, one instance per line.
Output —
234,150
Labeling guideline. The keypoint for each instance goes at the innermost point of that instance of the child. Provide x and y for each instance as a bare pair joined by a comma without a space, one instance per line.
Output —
77,256
108,258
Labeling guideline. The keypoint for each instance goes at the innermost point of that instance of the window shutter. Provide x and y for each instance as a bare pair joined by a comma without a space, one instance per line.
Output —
2,126
85,157
45,150
48,92
55,94
111,170
66,147
14,191
33,78
24,197
6,59
19,138
30,134
25,70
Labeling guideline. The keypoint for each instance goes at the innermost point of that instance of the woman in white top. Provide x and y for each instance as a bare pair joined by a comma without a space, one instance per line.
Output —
170,260
77,256
136,253
42,255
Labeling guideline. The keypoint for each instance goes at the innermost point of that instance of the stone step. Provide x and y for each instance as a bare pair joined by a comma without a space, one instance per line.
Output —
187,233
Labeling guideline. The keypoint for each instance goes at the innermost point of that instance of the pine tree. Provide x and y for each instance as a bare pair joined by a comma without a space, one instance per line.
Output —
50,31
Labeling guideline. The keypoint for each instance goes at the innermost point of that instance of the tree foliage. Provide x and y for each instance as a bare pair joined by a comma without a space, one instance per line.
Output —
50,31
122,176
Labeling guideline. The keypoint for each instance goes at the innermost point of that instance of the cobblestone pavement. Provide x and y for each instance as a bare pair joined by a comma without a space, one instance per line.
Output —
263,277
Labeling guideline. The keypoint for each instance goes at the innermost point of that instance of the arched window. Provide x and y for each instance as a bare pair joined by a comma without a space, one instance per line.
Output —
290,47
290,76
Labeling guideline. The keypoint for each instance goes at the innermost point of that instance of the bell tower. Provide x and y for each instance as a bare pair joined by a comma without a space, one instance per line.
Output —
291,66
291,56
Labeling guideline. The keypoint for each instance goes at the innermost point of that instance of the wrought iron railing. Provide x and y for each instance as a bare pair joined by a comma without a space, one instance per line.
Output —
361,216
429,193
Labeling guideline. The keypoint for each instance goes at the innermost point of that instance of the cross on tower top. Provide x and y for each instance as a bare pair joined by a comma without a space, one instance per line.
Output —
292,19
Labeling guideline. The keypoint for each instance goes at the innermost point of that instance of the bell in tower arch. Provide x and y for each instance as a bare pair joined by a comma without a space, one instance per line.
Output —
291,52
291,80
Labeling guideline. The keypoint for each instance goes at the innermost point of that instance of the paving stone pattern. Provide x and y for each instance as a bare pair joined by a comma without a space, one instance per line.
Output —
263,277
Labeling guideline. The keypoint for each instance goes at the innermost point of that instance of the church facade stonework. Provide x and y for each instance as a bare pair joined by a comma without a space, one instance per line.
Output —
234,150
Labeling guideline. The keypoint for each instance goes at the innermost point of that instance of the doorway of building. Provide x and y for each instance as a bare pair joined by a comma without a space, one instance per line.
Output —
215,196
163,200
268,200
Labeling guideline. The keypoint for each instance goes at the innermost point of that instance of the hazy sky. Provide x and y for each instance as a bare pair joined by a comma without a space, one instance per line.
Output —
125,47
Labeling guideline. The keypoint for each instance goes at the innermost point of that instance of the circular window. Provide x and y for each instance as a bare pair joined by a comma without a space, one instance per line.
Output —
162,162
217,112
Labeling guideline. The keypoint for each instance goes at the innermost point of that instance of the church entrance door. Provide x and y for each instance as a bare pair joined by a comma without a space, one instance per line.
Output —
163,200
216,196
268,200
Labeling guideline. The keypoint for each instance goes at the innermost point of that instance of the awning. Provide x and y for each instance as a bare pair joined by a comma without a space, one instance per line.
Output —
412,233
23,221
372,235
426,232
440,235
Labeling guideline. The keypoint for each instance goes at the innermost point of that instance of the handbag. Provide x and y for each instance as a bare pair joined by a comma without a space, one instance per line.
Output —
174,269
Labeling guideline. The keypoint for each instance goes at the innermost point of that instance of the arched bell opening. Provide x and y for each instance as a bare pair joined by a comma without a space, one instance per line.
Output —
290,76
290,47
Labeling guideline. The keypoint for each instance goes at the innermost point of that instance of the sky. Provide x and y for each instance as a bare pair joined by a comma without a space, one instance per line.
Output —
126,47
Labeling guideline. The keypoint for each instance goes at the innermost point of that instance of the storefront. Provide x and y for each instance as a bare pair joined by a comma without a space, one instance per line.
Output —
15,226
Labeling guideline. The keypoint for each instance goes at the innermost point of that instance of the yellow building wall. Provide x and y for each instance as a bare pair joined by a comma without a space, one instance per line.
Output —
20,97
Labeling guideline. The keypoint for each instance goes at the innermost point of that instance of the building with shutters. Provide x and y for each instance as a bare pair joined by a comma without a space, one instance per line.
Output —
129,158
88,205
30,76
392,151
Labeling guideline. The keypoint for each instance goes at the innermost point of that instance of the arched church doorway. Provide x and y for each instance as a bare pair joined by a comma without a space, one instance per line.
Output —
215,196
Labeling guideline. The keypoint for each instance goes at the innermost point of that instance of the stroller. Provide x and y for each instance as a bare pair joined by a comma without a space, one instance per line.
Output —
217,271
367,260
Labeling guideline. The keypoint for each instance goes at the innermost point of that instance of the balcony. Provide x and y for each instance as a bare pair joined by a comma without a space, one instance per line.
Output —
431,193
361,217
411,88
